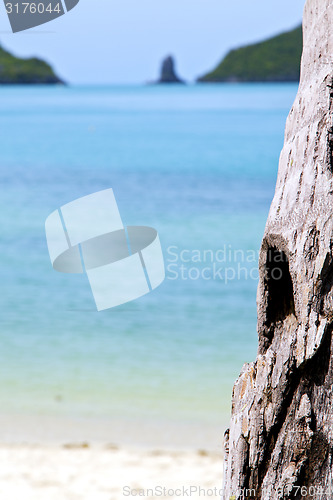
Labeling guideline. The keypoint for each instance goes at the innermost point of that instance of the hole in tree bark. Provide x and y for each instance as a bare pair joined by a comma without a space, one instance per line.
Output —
280,303
326,291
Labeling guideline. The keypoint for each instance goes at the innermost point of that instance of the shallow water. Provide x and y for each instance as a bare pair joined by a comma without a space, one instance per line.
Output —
199,164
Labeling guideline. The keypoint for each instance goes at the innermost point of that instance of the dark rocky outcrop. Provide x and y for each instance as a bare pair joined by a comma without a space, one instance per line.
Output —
168,73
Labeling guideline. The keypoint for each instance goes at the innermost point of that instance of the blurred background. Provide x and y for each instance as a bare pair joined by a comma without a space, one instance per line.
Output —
123,42
198,162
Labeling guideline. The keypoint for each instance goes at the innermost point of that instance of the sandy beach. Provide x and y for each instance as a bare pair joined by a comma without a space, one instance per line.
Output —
79,471
63,458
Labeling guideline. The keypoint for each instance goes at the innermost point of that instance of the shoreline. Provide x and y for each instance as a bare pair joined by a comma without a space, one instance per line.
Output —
95,473
107,459
137,433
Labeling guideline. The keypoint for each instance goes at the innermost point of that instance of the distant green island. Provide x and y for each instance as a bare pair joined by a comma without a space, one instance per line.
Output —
274,60
25,71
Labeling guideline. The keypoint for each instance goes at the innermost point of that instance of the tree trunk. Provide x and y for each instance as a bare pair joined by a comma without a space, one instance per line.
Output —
280,442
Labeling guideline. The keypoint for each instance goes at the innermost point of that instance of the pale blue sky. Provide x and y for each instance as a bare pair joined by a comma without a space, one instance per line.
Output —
109,41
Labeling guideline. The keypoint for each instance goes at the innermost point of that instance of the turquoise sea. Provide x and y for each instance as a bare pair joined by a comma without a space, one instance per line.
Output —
199,164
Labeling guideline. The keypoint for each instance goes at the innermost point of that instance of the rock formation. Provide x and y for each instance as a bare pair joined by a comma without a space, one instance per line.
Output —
281,432
168,73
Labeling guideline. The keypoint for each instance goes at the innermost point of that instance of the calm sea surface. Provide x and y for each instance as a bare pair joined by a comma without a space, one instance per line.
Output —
197,163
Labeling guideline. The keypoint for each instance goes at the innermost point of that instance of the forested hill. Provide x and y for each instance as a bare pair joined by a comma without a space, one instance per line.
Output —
274,60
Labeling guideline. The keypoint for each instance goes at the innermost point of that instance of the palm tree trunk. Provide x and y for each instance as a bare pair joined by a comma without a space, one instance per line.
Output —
280,442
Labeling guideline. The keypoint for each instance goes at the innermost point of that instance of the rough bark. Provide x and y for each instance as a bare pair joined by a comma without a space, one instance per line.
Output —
281,431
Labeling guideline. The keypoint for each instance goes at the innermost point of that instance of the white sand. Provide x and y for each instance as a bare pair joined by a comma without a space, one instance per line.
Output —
35,464
95,472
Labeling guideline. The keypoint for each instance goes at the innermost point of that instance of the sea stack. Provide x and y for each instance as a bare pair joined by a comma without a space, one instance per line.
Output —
280,438
168,72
